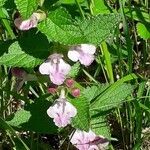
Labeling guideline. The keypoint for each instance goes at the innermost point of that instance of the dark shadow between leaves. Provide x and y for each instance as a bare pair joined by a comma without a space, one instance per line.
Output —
35,44
4,47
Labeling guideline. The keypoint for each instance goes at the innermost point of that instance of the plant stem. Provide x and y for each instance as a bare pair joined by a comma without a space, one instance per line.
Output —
80,9
127,36
6,23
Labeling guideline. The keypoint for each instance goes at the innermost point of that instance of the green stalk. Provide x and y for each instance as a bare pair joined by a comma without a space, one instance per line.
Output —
107,61
6,23
138,117
127,36
80,9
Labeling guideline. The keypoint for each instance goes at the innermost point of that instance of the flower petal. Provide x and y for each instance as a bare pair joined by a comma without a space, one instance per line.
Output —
64,67
57,78
73,55
62,112
45,68
86,59
26,24
88,48
71,111
93,147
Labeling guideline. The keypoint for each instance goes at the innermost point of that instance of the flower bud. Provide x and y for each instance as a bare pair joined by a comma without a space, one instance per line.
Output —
18,73
52,90
75,92
69,82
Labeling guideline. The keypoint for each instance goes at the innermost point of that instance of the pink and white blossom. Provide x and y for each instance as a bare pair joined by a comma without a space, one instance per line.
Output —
83,53
56,68
88,141
62,111
26,24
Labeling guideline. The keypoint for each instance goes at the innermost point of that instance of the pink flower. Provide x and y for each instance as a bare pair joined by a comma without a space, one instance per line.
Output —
88,140
69,83
26,24
56,68
84,53
62,112
75,92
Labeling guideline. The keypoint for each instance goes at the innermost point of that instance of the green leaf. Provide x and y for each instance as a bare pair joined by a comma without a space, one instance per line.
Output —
28,52
99,28
26,7
34,118
82,119
74,70
91,92
60,27
70,1
18,58
2,2
112,97
143,30
21,116
99,125
99,7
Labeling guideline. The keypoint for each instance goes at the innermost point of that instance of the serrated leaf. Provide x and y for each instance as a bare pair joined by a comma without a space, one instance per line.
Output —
34,118
99,125
82,119
18,58
112,97
74,70
143,31
26,7
60,27
28,52
21,116
99,28
91,92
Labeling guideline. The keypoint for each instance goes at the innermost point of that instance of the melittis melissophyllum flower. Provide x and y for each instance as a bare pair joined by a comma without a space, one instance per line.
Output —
62,111
56,68
83,53
88,140
30,22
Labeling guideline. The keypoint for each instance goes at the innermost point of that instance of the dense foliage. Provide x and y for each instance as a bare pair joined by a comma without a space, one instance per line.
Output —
92,57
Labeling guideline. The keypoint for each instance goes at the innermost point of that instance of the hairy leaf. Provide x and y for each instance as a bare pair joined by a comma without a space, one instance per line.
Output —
82,120
112,97
74,70
18,58
60,27
91,92
99,125
26,7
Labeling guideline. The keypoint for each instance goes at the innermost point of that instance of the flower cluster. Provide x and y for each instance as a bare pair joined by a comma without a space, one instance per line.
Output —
57,68
62,111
